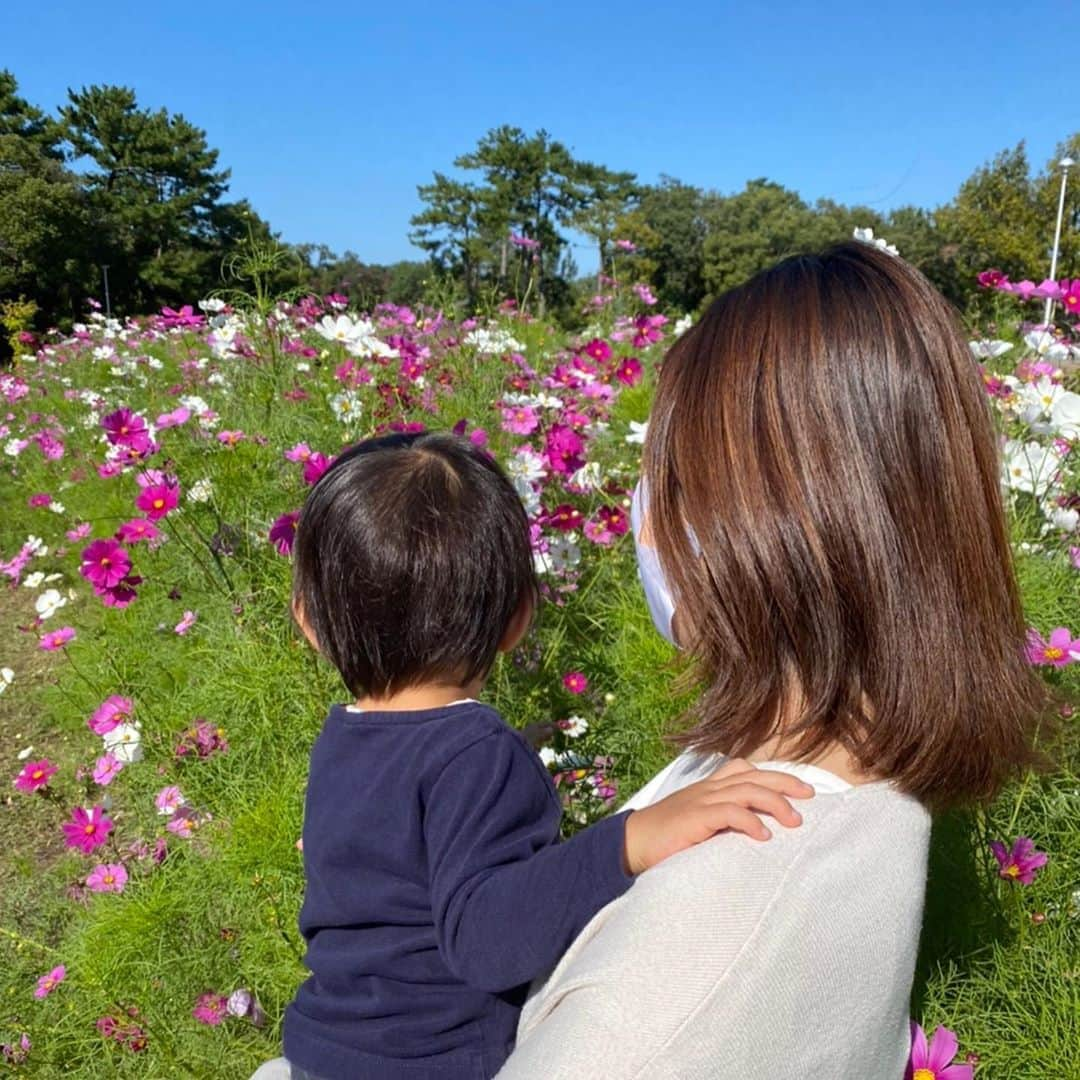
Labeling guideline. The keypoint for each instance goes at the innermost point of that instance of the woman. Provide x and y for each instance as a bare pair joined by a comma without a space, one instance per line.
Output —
823,499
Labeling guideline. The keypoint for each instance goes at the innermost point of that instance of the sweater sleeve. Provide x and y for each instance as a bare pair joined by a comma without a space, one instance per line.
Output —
507,897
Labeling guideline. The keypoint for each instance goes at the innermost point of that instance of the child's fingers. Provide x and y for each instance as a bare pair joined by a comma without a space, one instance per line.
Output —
738,819
754,796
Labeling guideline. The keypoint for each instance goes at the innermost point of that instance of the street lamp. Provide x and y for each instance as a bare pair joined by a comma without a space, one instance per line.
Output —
105,275
1065,164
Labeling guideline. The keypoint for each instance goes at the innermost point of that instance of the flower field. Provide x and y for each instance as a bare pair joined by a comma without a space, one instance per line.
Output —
157,704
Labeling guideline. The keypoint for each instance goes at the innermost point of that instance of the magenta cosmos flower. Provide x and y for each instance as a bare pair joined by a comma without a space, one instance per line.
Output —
34,775
210,1008
125,428
230,438
57,639
934,1061
105,564
1019,863
48,983
107,877
565,518
564,450
112,712
156,500
283,532
87,830
629,371
315,466
575,682
1056,651
137,529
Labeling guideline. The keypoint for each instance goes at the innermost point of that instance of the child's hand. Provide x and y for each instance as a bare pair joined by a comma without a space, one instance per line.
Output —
729,800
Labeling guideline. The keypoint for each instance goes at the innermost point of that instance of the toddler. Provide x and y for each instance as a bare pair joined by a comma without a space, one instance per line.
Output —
437,887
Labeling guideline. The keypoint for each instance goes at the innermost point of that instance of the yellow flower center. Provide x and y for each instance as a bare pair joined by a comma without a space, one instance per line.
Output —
88,829
108,879
159,503
924,1074
1054,653
37,774
1012,871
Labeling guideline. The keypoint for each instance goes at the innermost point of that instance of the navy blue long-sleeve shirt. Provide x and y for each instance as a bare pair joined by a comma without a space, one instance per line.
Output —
436,890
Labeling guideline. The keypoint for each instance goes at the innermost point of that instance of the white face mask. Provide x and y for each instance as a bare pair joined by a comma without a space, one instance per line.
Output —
657,594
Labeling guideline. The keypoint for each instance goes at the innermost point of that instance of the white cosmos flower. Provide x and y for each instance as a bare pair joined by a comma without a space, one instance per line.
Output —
682,325
125,742
357,335
1036,399
32,581
49,603
492,340
347,407
212,305
988,350
1065,415
56,507
201,491
1046,345
589,477
1064,519
7,677
36,545
529,496
637,433
527,466
563,553
547,756
1030,466
575,727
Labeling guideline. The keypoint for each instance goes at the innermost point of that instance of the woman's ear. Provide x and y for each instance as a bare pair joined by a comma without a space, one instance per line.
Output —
298,618
519,624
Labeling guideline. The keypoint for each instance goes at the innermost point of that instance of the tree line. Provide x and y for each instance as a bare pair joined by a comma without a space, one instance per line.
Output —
105,186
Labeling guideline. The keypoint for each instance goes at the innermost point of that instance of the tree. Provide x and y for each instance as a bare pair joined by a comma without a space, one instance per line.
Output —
19,118
604,198
153,196
449,229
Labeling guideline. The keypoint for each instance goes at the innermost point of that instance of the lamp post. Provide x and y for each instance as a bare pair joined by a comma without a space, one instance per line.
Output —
105,275
1065,164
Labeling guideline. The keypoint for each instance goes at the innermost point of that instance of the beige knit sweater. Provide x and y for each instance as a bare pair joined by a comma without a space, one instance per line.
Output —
750,961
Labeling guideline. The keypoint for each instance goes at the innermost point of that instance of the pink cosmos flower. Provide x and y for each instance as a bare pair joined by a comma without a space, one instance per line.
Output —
1019,863
315,465
105,564
647,330
526,242
175,418
183,823
644,294
184,319
300,452
626,245
1056,651
231,438
598,532
111,713
80,532
168,800
131,532
87,830
56,639
614,519
1074,557
992,279
156,500
934,1062
629,371
107,877
283,532
48,983
34,775
106,769
520,420
35,502
202,739
186,623
575,682
210,1008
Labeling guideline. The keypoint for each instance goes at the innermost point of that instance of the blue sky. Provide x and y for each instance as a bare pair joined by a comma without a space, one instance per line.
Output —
330,115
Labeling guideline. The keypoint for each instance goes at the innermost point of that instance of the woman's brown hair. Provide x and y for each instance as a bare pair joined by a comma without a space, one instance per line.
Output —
824,497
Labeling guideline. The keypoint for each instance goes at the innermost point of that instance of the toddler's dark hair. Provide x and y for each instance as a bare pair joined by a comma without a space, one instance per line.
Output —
412,555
